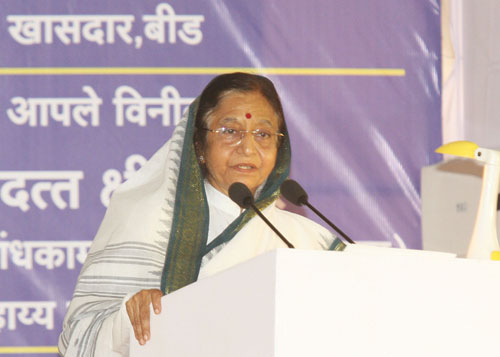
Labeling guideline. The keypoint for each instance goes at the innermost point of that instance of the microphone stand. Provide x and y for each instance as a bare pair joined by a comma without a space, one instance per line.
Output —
329,222
289,245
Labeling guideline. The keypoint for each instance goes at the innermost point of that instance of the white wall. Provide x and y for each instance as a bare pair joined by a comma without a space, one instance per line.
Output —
471,71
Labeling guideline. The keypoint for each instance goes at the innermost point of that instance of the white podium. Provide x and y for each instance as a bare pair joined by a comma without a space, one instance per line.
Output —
317,303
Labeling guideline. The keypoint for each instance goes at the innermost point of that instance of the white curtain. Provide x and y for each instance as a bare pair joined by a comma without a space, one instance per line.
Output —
471,71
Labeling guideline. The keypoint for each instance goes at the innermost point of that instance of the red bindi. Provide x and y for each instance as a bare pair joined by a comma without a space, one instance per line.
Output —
248,115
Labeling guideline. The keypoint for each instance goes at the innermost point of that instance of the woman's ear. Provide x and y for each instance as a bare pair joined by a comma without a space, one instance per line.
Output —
199,152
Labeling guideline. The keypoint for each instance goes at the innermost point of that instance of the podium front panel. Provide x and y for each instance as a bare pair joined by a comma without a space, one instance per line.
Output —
316,303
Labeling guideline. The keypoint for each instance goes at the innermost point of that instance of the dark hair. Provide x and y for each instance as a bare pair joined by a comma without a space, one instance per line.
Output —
237,82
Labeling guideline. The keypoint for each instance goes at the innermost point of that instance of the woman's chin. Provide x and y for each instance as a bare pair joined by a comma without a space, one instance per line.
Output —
251,184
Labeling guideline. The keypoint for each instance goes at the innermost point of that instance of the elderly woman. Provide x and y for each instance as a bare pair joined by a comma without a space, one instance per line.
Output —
173,222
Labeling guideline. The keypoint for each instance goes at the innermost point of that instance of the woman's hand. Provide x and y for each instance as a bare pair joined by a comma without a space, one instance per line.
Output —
138,312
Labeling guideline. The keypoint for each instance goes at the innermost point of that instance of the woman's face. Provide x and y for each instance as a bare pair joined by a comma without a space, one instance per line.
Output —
246,161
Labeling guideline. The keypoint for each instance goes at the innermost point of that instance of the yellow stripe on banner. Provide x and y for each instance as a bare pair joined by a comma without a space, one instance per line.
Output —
30,349
20,71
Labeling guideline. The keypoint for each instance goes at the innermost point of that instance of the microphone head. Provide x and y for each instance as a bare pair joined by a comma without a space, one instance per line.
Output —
241,194
293,192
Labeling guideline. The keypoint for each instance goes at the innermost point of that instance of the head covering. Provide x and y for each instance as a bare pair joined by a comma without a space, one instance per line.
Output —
187,244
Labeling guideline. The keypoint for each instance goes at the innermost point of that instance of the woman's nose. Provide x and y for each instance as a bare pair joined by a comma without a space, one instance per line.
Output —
247,143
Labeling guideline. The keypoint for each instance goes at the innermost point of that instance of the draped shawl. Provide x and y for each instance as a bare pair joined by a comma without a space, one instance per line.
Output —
153,236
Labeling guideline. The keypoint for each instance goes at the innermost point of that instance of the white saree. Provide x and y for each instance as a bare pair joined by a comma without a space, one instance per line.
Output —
129,251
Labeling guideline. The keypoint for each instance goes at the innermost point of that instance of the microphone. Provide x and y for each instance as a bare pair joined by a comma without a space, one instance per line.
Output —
241,195
294,193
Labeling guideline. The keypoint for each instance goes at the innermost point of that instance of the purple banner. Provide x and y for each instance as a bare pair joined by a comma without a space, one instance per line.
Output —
90,90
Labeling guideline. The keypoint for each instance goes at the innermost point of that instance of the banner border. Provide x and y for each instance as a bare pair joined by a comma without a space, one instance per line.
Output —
293,71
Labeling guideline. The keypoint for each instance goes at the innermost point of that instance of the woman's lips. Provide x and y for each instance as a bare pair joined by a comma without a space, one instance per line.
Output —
244,167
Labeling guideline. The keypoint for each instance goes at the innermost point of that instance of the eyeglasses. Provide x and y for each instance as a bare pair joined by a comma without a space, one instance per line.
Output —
230,136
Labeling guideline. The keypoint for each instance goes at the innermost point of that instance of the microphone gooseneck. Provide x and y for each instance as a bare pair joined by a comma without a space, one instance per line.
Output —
294,193
243,197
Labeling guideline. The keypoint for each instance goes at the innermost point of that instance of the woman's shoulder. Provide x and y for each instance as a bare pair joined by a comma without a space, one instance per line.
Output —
296,225
297,218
